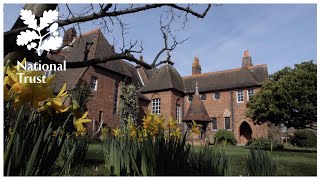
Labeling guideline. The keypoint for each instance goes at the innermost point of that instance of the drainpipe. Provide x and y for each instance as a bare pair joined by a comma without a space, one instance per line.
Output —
231,108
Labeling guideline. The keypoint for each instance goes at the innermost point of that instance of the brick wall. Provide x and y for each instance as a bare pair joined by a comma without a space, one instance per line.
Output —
219,108
103,97
168,102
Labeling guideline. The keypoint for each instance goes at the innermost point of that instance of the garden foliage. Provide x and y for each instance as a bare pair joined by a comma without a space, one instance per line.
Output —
304,138
156,148
264,143
129,105
37,123
224,136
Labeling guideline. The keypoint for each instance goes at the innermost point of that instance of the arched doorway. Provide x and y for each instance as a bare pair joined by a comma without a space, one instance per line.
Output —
245,132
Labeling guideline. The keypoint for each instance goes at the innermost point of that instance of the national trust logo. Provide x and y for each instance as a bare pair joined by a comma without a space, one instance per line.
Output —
33,37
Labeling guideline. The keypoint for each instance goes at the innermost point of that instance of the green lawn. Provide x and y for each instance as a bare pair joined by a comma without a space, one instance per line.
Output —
290,163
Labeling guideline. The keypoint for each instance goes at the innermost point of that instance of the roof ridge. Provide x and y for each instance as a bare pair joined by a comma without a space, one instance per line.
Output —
89,32
219,72
251,74
96,45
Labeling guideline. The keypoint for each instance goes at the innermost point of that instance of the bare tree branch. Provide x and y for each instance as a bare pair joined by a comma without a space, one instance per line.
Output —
104,13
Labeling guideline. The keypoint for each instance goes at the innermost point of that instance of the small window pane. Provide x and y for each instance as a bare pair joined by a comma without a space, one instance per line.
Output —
178,113
156,106
250,94
203,97
93,83
240,96
189,98
216,95
227,123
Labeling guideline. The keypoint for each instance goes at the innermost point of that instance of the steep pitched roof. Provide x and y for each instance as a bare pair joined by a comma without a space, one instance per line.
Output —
100,48
196,111
228,79
167,77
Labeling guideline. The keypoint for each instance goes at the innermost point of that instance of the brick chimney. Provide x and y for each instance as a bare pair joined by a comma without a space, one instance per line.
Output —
69,35
196,68
246,59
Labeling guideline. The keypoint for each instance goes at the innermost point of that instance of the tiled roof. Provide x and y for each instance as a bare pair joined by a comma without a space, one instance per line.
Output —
167,77
100,48
196,111
228,79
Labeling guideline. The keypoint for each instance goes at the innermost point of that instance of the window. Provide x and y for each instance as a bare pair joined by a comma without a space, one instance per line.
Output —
190,98
250,94
178,113
203,97
115,98
216,95
214,123
227,123
240,96
156,106
93,83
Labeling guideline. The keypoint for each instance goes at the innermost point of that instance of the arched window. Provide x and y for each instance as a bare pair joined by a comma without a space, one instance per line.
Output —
156,104
178,110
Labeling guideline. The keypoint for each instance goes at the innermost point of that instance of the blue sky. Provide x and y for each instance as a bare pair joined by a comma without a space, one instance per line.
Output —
278,35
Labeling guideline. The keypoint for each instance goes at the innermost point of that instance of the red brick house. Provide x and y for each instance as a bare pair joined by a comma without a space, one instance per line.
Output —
219,99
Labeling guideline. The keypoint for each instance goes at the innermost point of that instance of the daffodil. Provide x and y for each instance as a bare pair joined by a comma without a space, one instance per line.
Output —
172,123
78,122
133,131
195,128
117,132
56,102
104,132
24,92
177,132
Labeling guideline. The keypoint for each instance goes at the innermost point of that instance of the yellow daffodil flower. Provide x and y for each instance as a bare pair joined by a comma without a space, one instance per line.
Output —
56,102
26,92
172,123
78,122
116,132
195,128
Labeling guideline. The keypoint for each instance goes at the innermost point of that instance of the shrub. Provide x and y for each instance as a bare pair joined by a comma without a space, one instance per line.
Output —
260,163
224,136
264,143
304,138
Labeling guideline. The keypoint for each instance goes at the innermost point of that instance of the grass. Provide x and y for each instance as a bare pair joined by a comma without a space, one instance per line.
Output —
296,162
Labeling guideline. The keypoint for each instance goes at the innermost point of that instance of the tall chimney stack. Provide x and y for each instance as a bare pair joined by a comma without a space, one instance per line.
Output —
196,68
246,59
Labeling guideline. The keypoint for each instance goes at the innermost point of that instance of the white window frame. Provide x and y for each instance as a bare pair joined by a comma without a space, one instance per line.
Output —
239,97
178,113
248,96
215,94
188,98
224,123
94,82
156,106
